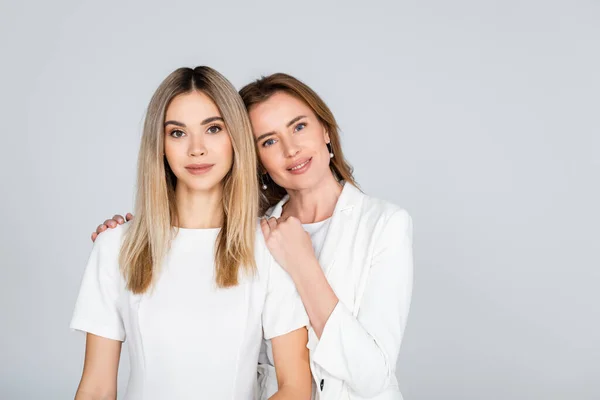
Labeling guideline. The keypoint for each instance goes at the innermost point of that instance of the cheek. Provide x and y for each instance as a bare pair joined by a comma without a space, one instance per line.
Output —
317,138
270,160
170,153
224,147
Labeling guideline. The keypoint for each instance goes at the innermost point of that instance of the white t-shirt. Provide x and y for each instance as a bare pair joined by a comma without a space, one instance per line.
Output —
267,379
317,232
187,338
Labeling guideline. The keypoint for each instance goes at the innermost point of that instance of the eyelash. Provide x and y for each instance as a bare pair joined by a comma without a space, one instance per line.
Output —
176,130
214,126
207,131
266,141
301,123
264,144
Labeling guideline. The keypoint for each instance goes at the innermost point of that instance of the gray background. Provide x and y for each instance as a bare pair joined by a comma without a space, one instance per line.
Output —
479,117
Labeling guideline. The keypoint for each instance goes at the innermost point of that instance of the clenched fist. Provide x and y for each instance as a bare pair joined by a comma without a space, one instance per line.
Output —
288,242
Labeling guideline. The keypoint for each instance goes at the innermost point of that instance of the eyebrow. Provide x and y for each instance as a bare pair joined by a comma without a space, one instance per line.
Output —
206,121
299,117
211,119
264,135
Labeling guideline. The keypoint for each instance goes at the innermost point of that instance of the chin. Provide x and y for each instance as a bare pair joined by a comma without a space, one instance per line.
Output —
200,185
302,182
204,188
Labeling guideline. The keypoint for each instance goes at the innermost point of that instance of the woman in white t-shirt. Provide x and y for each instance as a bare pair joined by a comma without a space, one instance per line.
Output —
190,283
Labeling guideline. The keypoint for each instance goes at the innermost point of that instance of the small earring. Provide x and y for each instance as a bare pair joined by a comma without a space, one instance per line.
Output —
264,185
330,150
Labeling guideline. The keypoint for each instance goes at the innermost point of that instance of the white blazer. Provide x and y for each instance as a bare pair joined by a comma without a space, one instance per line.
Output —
368,261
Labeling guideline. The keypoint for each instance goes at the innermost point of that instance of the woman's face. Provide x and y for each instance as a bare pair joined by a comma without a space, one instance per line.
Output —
197,145
291,142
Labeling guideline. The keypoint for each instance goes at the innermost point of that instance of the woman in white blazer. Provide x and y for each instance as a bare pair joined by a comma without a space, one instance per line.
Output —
350,255
355,275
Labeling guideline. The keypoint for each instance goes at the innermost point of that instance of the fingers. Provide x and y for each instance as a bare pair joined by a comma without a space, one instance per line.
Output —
264,227
101,228
111,223
268,225
272,223
293,221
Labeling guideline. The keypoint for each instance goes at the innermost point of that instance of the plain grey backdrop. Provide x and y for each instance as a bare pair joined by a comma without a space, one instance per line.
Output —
482,118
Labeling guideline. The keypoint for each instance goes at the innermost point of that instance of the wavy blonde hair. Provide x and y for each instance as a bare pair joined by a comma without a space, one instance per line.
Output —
148,239
260,91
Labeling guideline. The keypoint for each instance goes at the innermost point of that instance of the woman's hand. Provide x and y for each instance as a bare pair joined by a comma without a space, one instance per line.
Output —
111,223
289,243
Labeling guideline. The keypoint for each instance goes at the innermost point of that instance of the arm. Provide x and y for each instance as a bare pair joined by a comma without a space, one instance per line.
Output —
99,377
292,366
97,314
317,295
292,248
363,350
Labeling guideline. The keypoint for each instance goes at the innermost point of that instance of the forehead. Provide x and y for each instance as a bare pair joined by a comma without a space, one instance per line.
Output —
192,107
277,111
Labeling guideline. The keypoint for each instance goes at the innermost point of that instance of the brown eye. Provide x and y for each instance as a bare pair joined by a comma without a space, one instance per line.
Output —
214,129
176,133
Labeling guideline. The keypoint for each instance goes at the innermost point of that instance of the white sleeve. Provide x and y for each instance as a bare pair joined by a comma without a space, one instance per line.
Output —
363,350
96,309
283,311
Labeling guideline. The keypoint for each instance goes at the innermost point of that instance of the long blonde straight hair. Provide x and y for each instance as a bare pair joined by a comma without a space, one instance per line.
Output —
148,239
261,90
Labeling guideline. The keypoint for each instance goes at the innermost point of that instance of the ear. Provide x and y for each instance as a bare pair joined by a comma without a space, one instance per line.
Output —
326,136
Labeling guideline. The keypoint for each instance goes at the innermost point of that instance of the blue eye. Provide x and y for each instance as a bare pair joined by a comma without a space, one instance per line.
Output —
214,129
268,142
176,133
299,127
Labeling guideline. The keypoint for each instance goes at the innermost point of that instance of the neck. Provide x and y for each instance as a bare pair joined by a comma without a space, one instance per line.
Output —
199,209
313,204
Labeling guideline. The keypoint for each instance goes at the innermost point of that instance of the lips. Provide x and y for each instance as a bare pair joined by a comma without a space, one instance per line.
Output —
199,169
300,166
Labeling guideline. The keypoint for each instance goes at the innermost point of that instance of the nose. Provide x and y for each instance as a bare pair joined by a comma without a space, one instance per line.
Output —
197,146
290,149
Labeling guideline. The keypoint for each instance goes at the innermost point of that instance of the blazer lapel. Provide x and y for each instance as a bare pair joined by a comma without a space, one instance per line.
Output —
277,209
340,227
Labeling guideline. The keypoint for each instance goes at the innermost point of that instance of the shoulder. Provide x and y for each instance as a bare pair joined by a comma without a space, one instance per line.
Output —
107,248
111,239
383,213
262,254
103,266
259,243
268,269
